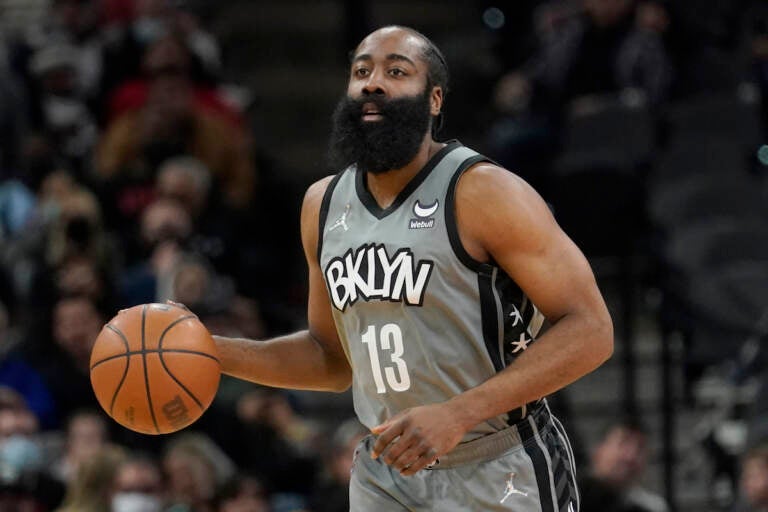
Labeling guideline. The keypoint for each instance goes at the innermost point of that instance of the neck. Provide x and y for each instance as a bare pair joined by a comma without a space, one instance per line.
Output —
385,187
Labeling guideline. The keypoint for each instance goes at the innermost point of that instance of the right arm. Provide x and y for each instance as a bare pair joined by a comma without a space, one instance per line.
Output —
309,359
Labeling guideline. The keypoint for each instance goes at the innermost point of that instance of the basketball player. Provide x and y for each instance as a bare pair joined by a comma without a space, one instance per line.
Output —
431,271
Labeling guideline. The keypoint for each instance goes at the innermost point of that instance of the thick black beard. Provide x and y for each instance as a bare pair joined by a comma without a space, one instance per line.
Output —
383,145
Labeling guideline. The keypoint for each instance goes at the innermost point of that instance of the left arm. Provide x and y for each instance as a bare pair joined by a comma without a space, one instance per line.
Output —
520,233
501,217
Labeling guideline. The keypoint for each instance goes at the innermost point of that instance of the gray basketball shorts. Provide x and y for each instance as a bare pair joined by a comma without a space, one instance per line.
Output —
527,467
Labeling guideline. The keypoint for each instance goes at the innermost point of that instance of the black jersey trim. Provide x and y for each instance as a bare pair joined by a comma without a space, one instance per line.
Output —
324,207
450,215
489,316
370,203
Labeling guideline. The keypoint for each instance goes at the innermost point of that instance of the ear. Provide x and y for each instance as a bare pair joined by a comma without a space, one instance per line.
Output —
436,100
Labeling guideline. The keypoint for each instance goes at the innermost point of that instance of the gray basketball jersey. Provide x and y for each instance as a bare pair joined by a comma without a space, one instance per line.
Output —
420,320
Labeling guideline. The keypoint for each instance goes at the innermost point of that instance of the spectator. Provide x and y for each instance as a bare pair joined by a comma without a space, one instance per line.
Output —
195,282
618,463
138,486
602,51
67,252
195,468
86,436
152,20
18,374
164,232
78,229
76,23
80,275
220,232
169,54
64,113
25,483
187,180
16,419
90,489
274,442
244,493
70,227
171,124
16,208
754,480
77,322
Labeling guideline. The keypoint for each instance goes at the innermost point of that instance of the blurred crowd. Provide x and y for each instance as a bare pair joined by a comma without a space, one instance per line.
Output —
129,174
643,124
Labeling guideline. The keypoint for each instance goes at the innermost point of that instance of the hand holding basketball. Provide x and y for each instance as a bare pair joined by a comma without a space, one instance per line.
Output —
155,368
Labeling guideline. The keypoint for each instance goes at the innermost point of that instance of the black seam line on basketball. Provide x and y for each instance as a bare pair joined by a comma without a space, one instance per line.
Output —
177,381
168,328
162,361
125,372
144,360
154,351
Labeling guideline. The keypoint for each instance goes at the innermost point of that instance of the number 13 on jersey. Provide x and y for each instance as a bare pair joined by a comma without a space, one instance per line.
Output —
389,340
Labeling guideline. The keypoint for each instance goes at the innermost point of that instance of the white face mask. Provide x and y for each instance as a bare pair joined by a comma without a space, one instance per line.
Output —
135,502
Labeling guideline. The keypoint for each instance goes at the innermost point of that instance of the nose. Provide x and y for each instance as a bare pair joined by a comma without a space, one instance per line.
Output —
373,84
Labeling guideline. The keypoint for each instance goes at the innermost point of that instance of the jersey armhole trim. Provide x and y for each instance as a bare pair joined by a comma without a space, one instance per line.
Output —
450,216
323,216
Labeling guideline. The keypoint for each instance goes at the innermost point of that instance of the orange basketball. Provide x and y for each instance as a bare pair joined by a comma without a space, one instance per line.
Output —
155,368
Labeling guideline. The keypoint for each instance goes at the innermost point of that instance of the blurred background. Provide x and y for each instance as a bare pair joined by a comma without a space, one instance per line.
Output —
159,149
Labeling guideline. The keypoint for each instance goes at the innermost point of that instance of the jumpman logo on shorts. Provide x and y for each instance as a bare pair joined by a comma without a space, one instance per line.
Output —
511,489
341,221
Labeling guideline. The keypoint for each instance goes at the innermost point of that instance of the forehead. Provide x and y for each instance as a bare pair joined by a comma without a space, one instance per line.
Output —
391,41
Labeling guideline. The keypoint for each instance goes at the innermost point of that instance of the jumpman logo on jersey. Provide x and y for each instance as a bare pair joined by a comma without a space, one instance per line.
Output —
521,344
341,221
516,315
510,490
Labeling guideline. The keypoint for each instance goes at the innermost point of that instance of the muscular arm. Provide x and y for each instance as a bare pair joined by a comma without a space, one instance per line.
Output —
503,218
310,359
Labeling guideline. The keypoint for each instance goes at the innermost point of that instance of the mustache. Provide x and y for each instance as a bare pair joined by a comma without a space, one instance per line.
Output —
385,106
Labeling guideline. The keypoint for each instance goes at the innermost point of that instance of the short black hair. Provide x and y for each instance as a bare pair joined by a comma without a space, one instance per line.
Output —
437,67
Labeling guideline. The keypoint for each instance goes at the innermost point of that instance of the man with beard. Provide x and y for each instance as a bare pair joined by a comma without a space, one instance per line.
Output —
431,271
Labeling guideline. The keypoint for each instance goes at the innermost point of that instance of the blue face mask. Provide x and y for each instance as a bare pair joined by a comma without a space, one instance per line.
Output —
146,30
20,453
135,502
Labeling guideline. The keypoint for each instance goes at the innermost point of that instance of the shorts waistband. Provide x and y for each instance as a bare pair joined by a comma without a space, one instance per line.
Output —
492,445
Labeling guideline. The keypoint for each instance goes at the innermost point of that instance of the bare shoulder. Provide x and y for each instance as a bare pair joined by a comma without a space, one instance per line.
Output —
488,190
313,197
310,212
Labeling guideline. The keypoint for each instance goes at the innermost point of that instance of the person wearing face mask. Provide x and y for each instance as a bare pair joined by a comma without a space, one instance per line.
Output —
64,112
151,21
138,486
163,234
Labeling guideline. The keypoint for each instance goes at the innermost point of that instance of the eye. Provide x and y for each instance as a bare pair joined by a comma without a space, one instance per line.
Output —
360,72
397,72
